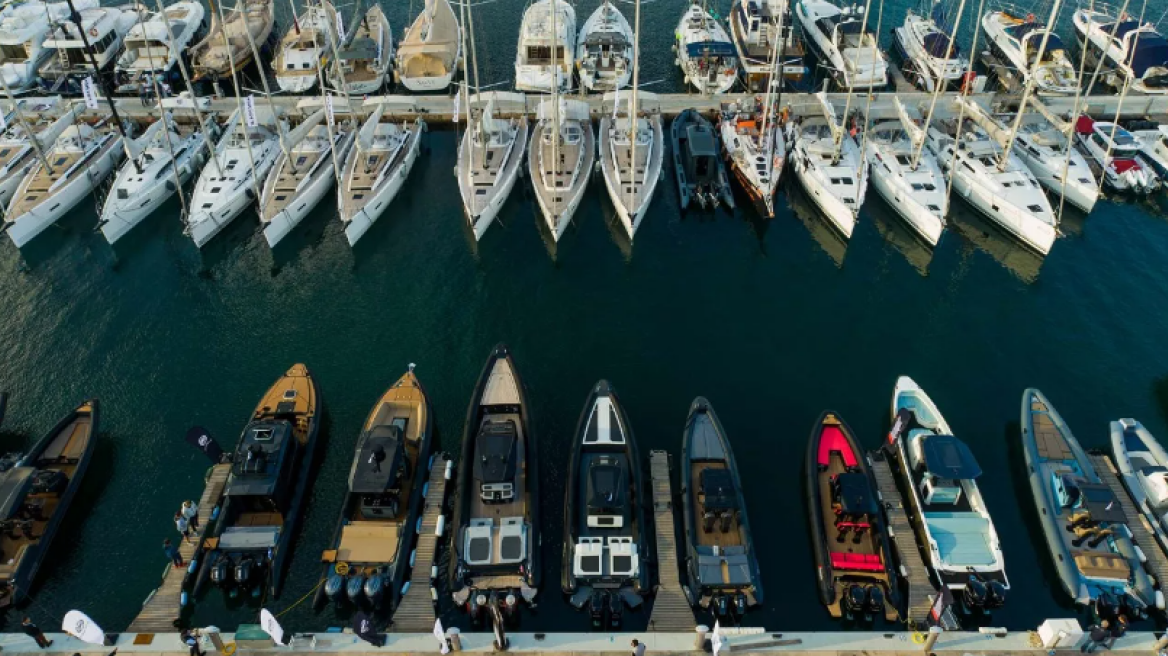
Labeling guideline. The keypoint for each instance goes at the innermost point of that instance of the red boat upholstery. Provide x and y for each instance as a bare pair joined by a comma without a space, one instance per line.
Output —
833,439
1125,165
865,562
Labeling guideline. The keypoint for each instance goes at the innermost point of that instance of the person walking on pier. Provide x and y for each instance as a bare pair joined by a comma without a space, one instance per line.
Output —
638,648
172,553
33,631
191,640
1117,631
1097,635
183,526
191,512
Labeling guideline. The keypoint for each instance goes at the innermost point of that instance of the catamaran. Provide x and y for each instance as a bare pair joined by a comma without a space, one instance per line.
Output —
431,48
604,51
544,55
704,52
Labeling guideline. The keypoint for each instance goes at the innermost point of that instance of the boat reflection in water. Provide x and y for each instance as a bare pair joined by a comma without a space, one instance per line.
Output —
1009,252
828,238
898,235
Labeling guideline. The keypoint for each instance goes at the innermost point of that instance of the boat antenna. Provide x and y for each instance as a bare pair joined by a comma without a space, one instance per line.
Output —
1119,107
632,116
1029,89
166,122
182,67
868,108
243,127
838,134
939,85
99,80
328,109
961,109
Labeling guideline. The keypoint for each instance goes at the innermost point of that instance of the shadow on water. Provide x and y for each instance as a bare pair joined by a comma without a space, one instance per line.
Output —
1160,393
896,232
79,224
229,242
1019,260
821,230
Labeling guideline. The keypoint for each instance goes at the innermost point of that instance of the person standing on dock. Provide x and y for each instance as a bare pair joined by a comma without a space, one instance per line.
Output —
638,648
191,512
33,631
191,640
184,527
1097,636
1117,631
172,552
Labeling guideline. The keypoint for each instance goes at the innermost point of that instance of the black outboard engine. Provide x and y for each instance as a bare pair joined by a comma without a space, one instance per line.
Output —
853,601
1106,607
615,606
740,604
995,594
474,607
596,609
720,604
244,570
974,594
510,608
875,605
353,586
334,585
374,587
221,572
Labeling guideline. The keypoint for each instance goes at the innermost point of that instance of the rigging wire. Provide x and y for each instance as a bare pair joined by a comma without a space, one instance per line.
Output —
1119,109
961,115
868,110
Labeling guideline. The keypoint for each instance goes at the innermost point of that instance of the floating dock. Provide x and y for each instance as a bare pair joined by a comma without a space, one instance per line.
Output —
415,612
1142,534
162,609
921,592
671,609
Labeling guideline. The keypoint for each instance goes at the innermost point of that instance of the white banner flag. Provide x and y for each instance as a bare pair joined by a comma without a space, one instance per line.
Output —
78,625
3,122
615,103
440,633
328,109
249,111
716,639
340,27
89,90
457,104
270,626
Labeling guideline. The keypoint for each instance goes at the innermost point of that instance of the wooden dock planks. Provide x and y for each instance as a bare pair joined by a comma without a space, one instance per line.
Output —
415,612
1142,534
162,608
671,610
912,568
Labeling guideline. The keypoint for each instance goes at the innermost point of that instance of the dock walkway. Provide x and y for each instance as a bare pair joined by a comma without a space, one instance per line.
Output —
912,568
415,612
1142,533
161,610
671,610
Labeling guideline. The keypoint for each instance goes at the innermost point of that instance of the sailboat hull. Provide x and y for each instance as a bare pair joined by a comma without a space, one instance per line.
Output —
364,219
287,219
630,216
837,212
116,223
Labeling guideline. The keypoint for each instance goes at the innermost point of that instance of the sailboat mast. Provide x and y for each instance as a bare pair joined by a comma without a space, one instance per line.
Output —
782,49
328,114
839,141
868,108
1030,85
255,53
766,113
166,126
939,85
633,100
474,53
239,101
32,138
555,9
182,67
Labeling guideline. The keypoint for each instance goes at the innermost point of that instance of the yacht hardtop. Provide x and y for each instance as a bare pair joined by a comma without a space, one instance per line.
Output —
23,29
105,29
545,54
147,48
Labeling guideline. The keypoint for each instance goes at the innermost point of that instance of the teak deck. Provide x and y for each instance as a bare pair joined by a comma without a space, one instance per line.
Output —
415,613
671,610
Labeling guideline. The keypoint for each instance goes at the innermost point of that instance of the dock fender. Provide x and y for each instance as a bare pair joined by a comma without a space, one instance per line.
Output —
413,557
449,469
183,599
405,588
1159,597
430,464
440,526
1140,553
426,489
418,526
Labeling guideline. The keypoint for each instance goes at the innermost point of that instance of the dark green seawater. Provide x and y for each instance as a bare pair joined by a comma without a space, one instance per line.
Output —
773,321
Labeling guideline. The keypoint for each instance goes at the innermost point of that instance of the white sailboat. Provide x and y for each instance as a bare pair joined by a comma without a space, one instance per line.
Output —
830,167
366,60
23,30
704,52
18,151
431,48
907,176
604,51
563,149
489,158
376,169
546,50
304,46
148,50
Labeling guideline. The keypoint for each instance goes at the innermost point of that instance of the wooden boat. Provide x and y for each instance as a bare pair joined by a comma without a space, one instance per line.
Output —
370,550
226,43
852,556
722,566
496,511
604,513
36,490
250,544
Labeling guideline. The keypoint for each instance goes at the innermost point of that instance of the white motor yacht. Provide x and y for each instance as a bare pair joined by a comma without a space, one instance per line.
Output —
81,158
631,154
105,29
1007,194
560,160
296,184
544,59
376,169
1153,144
704,52
430,50
604,50
231,182
304,46
842,42
165,157
23,29
1016,41
905,174
366,60
489,160
756,148
927,52
1119,154
148,50
830,167
1135,52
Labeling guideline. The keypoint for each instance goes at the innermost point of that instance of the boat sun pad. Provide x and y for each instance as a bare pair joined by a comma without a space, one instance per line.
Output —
962,538
364,543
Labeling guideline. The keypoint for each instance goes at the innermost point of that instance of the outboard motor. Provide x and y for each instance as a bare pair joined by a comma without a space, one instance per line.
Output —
875,605
1106,606
740,604
474,607
720,606
974,594
353,587
221,572
615,606
244,570
334,585
995,594
853,601
510,608
374,586
596,609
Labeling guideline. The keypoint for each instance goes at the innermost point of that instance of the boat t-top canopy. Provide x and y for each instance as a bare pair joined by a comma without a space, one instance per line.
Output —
718,488
855,494
1100,503
711,49
948,456
382,452
937,45
14,487
496,452
1151,50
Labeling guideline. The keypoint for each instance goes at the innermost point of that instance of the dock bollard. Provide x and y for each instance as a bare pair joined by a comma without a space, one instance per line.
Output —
934,634
700,637
454,638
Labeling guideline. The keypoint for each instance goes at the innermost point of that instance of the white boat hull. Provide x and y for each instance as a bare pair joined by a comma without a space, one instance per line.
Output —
926,224
837,212
287,220
363,220
116,223
436,83
33,222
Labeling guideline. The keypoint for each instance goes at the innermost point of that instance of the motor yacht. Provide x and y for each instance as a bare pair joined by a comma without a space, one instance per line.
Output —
830,167
495,561
430,50
698,163
755,25
842,42
1143,467
1016,41
106,27
756,150
938,476
545,56
605,519
147,50
929,57
1153,143
226,49
704,52
1084,524
305,46
23,30
1119,154
1135,52
366,60
489,158
370,553
250,543
560,160
623,141
375,170
604,50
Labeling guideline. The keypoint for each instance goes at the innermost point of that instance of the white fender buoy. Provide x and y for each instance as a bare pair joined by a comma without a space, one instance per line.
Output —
440,526
430,465
433,572
1140,553
405,588
413,557
426,489
433,594
1159,599
449,469
418,526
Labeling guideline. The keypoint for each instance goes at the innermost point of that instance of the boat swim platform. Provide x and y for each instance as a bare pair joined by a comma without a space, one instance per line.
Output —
918,587
1142,534
671,609
415,612
162,610
740,642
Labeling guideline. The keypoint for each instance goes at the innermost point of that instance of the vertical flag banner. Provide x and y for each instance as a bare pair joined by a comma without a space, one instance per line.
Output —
270,626
457,103
78,625
328,109
249,111
340,27
89,90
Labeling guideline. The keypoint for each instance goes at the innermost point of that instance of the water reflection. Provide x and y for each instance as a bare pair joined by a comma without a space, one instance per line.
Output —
987,236
896,232
821,229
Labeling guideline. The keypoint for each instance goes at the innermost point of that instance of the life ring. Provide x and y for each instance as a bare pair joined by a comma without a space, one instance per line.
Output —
918,638
93,31
229,648
341,568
